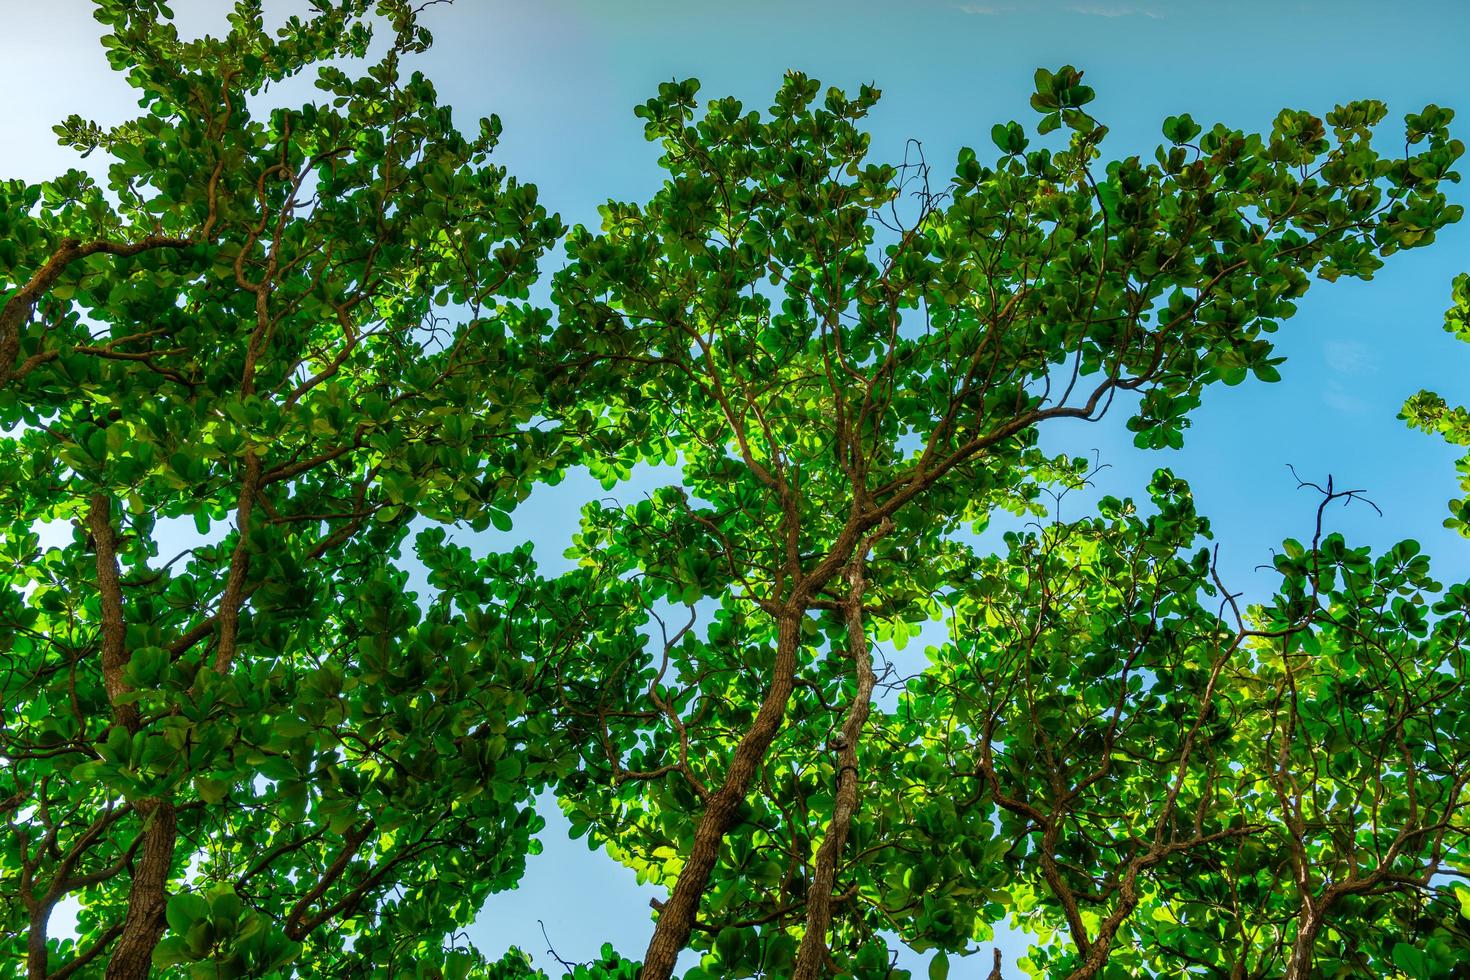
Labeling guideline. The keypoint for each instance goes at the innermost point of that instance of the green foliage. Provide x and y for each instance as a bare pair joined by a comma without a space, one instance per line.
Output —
265,328
298,338
1431,413
1175,783
850,365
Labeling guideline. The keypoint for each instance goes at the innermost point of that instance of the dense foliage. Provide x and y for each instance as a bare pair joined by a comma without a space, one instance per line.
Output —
237,333
299,339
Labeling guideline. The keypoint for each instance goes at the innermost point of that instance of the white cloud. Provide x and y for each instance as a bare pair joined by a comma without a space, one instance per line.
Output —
1105,10
1347,356
1341,400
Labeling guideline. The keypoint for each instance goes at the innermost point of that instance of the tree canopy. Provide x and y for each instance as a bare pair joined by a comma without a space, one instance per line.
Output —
309,337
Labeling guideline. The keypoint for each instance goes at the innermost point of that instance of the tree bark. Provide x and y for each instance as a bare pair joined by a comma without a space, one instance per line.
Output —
36,959
234,594
143,926
811,956
114,628
1095,956
676,920
1303,951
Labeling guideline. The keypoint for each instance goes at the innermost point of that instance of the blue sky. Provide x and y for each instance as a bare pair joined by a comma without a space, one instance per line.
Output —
564,75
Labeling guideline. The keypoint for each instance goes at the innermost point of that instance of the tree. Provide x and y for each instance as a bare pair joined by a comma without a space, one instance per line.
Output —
256,751
1181,791
851,366
1429,412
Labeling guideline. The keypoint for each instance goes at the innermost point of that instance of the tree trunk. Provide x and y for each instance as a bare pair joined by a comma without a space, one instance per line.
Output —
812,954
1303,951
36,960
132,959
143,924
1095,957
114,628
676,920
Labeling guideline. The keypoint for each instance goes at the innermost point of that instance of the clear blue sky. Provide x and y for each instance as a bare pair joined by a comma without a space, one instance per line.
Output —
565,74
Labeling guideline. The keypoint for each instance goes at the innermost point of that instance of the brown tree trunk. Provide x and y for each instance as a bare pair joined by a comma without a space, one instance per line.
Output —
1095,957
36,940
1303,951
143,924
234,594
676,920
132,958
114,628
812,954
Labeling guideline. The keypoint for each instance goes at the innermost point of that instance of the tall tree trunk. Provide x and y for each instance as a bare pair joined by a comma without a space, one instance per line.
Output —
132,959
676,920
812,954
143,924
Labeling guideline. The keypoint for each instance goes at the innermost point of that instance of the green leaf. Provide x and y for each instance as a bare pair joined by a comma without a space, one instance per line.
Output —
184,909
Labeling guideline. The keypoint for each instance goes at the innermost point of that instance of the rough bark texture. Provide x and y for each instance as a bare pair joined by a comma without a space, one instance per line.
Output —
1095,955
1303,951
132,958
114,629
143,924
234,595
676,920
811,956
36,940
